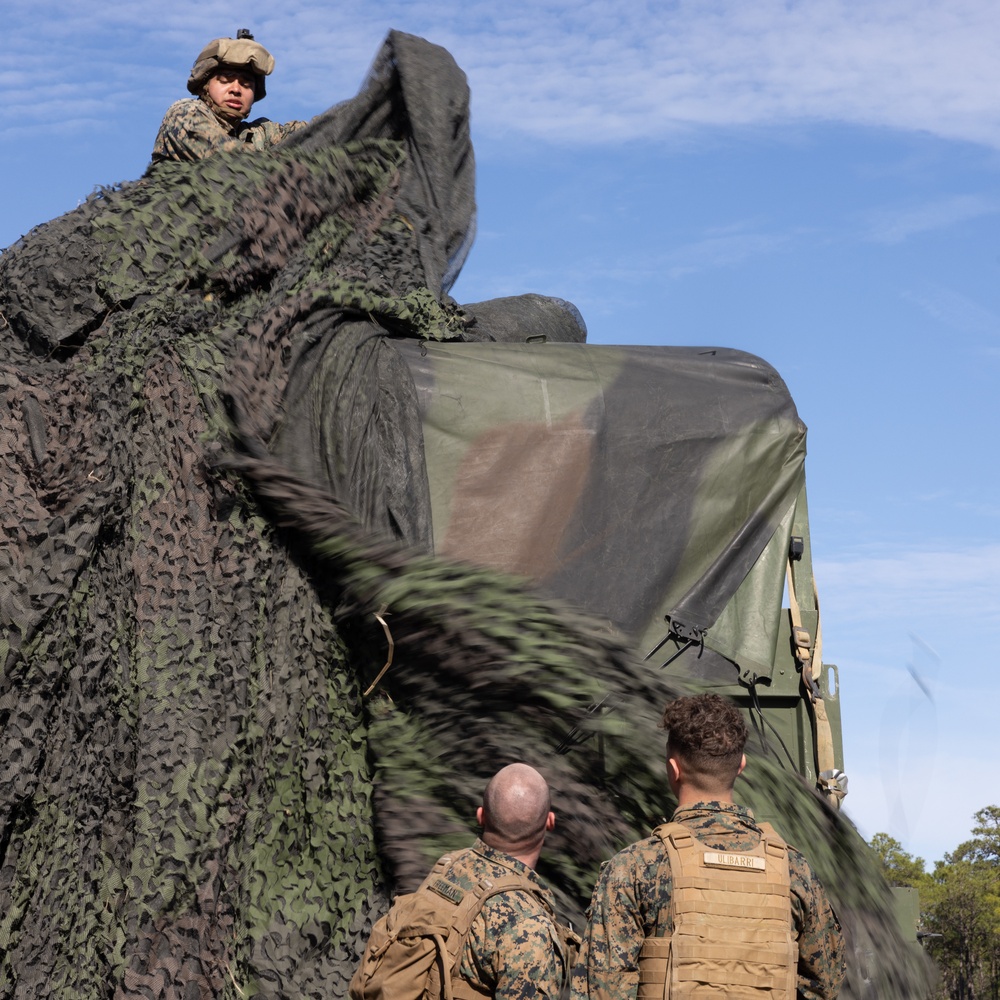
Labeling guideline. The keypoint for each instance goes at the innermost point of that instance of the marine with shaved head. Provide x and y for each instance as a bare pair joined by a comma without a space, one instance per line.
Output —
515,949
515,814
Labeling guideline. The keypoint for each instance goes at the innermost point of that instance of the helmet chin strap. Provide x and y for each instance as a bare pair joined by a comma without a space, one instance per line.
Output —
229,116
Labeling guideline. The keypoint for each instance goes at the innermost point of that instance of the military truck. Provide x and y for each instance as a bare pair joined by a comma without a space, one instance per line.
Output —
660,489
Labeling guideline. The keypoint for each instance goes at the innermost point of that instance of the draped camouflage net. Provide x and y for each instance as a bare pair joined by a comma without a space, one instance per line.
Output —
202,569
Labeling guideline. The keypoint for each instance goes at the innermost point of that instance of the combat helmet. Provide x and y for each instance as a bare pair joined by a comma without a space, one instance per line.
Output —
241,51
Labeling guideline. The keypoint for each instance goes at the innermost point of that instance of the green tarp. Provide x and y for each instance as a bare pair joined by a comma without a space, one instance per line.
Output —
633,482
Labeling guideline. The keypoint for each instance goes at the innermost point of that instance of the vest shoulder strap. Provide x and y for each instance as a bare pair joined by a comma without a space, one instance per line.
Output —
469,907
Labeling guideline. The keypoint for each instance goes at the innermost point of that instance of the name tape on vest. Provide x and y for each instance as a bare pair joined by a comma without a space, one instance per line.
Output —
716,859
446,889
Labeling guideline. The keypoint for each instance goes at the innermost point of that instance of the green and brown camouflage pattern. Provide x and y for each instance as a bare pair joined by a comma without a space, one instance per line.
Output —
203,566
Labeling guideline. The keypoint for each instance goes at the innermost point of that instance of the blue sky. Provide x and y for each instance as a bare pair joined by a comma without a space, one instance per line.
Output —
815,181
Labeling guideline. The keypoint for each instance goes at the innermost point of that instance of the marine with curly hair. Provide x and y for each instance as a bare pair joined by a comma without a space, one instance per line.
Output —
713,904
227,79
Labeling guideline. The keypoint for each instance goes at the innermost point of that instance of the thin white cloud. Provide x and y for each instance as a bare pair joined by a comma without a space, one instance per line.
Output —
647,71
899,224
731,245
917,720
721,250
574,72
589,282
981,509
954,309
879,803
941,584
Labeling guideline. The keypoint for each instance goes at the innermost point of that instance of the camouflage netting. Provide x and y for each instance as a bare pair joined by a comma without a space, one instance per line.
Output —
196,799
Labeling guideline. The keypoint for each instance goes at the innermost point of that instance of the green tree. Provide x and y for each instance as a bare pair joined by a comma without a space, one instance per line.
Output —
961,902
985,843
899,867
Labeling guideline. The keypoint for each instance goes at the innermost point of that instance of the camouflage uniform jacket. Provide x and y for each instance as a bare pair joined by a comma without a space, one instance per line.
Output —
631,902
513,951
191,130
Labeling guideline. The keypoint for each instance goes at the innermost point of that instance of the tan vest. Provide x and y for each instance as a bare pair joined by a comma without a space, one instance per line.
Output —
469,909
470,906
732,918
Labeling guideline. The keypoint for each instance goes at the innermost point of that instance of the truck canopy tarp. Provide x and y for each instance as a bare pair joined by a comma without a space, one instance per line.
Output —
634,482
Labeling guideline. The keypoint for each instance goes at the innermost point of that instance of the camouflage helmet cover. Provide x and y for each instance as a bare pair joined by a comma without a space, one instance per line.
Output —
241,52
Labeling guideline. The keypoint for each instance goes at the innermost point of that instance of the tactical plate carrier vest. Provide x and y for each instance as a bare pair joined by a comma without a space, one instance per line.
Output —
732,922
